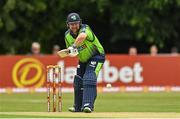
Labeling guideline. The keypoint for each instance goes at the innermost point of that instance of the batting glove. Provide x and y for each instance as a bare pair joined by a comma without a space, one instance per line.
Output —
73,51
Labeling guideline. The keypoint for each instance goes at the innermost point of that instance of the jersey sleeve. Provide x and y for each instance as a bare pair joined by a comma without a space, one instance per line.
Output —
67,44
90,35
66,39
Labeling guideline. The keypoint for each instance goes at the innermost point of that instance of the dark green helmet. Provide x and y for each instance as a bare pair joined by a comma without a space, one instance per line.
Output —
73,17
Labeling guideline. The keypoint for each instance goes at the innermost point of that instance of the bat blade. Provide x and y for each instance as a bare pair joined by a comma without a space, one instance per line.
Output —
63,53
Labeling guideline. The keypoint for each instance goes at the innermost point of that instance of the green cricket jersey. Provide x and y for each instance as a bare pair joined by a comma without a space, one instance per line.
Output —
90,46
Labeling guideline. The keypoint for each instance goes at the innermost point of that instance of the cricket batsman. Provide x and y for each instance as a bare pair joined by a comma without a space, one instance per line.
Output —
81,41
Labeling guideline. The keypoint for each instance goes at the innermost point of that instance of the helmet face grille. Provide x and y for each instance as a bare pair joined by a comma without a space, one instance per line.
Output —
73,17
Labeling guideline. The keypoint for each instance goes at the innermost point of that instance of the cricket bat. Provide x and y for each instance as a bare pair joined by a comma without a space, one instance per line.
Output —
63,53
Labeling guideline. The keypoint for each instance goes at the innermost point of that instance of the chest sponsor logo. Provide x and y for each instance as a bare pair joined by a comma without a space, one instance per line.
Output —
82,47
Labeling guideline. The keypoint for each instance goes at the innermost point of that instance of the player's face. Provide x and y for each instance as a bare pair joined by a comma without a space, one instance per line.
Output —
74,27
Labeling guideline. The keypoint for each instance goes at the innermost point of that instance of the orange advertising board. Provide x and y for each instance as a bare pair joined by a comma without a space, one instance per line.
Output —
119,70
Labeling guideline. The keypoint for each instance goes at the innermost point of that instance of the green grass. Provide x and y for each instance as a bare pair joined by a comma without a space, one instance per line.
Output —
106,102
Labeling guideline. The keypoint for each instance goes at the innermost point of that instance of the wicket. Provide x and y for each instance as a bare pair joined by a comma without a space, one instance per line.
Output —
54,81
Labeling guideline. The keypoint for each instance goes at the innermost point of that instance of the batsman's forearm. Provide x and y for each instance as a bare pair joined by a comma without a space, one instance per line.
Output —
81,37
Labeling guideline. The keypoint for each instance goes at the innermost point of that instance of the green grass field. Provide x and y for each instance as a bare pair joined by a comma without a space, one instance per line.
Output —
113,104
